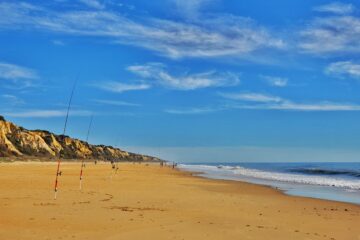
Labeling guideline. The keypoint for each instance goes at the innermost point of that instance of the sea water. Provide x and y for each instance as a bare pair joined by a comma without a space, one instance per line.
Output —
332,181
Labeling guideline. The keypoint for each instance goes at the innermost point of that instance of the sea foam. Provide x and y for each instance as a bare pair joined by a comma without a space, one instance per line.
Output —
238,171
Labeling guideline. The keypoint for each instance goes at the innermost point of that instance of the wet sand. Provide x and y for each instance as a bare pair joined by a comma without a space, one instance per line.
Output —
150,202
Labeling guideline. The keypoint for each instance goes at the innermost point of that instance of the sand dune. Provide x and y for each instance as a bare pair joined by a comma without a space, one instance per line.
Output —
150,202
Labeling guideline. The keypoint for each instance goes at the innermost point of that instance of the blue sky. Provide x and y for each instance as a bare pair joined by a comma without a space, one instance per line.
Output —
189,80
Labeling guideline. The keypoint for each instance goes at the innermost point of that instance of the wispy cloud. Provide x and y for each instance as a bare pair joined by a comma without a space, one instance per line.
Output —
213,36
344,69
190,8
11,99
307,107
116,103
193,111
15,72
285,105
251,97
336,8
93,4
16,76
185,81
276,81
45,113
268,102
119,87
58,42
331,35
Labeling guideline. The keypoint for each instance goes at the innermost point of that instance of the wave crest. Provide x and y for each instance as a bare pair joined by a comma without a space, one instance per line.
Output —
239,171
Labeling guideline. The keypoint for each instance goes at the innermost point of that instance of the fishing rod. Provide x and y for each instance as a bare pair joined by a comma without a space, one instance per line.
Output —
82,161
58,172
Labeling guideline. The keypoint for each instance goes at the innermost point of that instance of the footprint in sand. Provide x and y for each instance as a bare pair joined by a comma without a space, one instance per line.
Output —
107,199
132,209
44,204
85,202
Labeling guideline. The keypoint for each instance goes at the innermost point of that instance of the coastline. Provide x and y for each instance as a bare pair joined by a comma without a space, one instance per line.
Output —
146,200
343,187
276,189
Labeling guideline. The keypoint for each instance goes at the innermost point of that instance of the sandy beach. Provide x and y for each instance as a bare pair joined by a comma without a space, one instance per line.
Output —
150,202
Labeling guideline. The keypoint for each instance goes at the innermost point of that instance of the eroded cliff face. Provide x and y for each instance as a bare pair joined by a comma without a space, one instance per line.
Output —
17,141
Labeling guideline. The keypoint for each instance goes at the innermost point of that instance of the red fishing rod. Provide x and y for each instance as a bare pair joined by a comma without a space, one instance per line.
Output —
82,161
58,172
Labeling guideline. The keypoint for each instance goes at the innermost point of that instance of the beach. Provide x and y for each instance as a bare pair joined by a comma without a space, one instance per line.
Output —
146,201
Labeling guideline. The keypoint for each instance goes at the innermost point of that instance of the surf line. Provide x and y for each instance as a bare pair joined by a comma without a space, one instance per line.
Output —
58,172
82,161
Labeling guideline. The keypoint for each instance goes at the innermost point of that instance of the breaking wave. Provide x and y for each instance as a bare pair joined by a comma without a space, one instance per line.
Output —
301,176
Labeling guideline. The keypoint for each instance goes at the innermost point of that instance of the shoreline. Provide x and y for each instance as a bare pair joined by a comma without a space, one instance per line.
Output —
302,185
194,174
276,189
145,200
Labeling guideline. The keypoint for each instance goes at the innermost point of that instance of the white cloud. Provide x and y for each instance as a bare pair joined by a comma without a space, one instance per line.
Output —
267,102
276,81
331,35
122,87
15,72
344,69
193,111
11,99
309,107
93,4
184,81
16,77
251,97
336,8
58,42
116,103
190,8
45,113
285,105
213,36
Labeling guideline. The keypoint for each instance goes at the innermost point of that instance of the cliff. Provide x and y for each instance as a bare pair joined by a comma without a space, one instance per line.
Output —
16,141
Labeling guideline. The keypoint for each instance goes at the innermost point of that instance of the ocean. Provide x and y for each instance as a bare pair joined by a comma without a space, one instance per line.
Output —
332,181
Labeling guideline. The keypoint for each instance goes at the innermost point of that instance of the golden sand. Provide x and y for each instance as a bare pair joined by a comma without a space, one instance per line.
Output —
150,202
